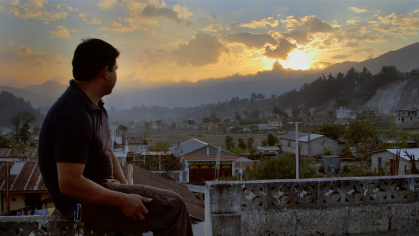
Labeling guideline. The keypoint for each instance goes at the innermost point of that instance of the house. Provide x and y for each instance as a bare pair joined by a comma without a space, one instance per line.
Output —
387,159
241,164
345,114
264,127
132,139
410,115
267,149
315,144
275,122
27,190
200,160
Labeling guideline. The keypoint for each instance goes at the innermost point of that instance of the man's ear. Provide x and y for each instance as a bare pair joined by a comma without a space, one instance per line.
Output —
104,73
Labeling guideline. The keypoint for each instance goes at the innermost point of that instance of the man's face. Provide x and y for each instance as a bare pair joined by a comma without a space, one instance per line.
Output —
112,75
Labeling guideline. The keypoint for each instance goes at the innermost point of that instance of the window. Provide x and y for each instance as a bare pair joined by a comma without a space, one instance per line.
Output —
379,161
289,144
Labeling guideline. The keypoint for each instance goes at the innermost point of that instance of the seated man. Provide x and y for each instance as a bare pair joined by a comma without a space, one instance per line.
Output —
78,165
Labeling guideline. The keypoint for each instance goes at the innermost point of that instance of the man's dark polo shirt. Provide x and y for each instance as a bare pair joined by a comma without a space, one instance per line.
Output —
75,131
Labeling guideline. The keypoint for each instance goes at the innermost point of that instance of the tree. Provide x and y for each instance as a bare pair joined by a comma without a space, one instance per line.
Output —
5,142
173,126
279,168
206,121
147,125
161,146
250,142
241,143
237,115
191,123
21,135
332,130
264,142
158,123
271,140
35,130
123,128
255,114
229,142
295,112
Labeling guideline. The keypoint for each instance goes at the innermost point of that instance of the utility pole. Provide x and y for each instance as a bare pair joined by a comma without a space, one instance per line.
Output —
297,161
309,144
8,188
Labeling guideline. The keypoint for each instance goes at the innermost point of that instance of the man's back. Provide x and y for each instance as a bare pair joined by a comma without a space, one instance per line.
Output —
74,127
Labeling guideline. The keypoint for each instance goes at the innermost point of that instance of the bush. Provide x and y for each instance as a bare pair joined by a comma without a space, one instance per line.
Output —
321,169
279,168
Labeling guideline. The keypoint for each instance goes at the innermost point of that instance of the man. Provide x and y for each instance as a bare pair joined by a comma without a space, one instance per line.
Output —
78,165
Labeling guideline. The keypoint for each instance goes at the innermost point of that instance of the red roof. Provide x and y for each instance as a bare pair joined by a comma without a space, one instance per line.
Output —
24,176
142,176
209,157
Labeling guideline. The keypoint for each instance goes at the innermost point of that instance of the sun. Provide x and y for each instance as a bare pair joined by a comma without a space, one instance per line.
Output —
297,60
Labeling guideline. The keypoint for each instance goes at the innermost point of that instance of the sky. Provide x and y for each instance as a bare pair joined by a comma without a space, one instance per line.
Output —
178,42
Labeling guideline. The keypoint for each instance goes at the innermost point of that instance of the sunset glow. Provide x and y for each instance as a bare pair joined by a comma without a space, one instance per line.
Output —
297,60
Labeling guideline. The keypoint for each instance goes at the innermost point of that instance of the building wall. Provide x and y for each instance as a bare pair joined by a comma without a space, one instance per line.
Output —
203,151
406,119
317,146
386,157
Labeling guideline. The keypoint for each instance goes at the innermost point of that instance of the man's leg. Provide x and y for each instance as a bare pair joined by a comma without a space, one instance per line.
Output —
167,213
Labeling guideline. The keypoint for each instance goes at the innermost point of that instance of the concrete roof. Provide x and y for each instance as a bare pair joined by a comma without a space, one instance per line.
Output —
187,147
302,137
410,151
268,148
243,159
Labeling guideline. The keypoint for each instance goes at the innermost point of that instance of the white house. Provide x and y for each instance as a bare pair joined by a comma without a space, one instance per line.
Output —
275,122
410,115
344,113
387,159
316,145
241,164
267,149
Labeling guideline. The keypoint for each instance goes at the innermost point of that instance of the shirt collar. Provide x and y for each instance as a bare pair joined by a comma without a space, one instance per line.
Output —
83,97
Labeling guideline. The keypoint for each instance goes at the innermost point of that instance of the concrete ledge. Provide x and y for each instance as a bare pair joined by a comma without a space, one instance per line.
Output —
332,206
41,225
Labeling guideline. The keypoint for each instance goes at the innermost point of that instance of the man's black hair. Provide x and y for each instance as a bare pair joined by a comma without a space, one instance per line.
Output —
92,56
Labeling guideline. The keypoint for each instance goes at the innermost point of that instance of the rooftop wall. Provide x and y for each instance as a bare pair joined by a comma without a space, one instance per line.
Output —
332,206
41,225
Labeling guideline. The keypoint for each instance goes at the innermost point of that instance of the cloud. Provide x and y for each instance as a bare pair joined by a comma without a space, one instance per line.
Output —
310,23
182,11
105,36
208,18
92,21
263,23
61,32
33,10
72,9
134,24
281,51
300,36
10,43
106,4
14,2
340,57
203,50
251,40
357,10
359,34
351,45
118,27
23,50
213,28
153,11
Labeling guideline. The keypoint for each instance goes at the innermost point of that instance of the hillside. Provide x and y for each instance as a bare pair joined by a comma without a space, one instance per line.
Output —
10,105
37,99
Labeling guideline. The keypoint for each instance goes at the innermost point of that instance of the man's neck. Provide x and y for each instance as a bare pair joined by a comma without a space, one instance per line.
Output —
90,90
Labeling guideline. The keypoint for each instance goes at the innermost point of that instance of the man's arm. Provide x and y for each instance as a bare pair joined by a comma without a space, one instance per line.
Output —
117,170
73,184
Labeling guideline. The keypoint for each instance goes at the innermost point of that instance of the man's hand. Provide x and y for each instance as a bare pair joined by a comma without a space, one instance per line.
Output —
134,208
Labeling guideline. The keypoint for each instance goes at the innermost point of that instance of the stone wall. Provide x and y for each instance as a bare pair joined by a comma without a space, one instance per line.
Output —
332,206
41,225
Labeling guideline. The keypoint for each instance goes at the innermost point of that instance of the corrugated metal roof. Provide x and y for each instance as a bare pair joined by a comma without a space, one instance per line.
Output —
243,159
268,148
187,147
209,157
161,153
302,137
244,164
145,177
24,176
30,153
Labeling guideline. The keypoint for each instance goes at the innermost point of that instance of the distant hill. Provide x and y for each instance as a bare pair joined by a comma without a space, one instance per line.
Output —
36,99
10,105
49,89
